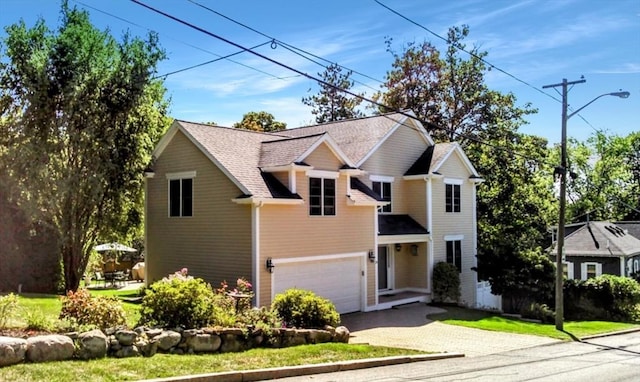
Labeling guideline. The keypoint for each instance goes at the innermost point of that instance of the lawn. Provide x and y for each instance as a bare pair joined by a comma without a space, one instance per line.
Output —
165,365
491,321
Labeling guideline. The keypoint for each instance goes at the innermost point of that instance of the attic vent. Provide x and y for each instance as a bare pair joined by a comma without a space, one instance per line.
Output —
616,231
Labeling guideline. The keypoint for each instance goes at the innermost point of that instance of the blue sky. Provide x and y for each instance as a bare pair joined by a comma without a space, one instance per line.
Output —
538,41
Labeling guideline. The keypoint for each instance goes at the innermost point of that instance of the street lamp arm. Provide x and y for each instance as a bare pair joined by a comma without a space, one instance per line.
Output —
615,94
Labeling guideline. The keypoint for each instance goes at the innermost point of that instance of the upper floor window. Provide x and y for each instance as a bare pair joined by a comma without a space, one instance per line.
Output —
454,253
322,196
181,194
452,197
384,190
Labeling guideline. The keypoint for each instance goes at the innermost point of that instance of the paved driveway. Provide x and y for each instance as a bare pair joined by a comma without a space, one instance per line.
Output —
408,327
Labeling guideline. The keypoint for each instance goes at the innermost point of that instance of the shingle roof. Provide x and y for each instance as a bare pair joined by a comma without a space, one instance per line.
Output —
356,137
633,227
600,238
399,225
285,151
242,154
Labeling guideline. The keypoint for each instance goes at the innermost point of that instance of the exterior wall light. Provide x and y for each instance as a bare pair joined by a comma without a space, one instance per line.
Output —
398,247
372,256
270,265
414,250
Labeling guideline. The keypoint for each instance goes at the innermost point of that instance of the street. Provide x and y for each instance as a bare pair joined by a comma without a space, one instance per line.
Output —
613,358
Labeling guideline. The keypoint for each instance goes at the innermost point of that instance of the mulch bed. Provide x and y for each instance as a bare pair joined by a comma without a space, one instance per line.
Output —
22,333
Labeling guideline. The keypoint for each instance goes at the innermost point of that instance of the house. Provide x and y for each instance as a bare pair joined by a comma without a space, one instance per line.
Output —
358,211
600,247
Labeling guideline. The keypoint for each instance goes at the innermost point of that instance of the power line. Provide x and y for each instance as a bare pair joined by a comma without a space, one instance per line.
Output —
380,105
289,47
182,42
469,53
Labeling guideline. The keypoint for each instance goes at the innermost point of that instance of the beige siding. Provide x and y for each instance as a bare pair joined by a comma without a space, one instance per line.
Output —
410,270
290,232
416,200
456,223
215,243
322,158
393,158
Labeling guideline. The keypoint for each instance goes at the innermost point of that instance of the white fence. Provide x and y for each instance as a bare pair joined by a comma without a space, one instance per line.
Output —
485,299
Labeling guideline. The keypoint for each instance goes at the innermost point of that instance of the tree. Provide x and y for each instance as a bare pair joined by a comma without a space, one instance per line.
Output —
80,115
605,182
260,121
449,93
332,104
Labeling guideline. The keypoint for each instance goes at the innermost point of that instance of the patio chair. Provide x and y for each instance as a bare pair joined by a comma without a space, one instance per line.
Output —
98,277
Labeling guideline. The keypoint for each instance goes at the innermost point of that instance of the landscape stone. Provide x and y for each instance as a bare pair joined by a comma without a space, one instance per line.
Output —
12,350
167,340
126,337
92,344
52,347
204,343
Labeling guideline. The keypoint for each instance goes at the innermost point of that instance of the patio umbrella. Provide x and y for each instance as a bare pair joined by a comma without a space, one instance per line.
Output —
114,247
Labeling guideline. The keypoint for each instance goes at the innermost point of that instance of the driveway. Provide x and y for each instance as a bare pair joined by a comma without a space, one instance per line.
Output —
408,327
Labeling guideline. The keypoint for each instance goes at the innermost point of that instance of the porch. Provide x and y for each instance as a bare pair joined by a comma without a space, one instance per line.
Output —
390,299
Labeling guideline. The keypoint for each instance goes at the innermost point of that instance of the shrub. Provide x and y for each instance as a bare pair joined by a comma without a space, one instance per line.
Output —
446,283
8,305
178,301
606,297
540,312
37,320
303,309
101,311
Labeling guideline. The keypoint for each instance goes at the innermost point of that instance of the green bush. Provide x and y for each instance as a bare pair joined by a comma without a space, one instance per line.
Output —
446,283
303,309
540,312
606,297
100,311
178,301
8,305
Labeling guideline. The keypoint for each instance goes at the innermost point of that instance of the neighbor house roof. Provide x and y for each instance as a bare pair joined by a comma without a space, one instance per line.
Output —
600,239
632,227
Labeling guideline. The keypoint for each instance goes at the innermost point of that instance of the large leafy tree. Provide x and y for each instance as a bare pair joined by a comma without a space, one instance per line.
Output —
605,182
330,103
515,202
447,91
80,114
260,121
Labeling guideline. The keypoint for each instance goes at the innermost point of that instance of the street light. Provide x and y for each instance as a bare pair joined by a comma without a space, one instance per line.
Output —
563,189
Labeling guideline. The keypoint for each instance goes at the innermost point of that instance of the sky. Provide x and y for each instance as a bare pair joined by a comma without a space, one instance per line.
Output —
539,42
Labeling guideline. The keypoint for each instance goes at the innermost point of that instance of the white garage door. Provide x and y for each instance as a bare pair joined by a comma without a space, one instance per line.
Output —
337,280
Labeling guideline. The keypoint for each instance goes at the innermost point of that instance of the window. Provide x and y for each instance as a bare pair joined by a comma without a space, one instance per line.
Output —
454,253
384,190
591,270
567,270
322,196
452,201
181,197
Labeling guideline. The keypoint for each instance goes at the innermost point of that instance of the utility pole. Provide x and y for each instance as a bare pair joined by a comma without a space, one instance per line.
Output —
562,170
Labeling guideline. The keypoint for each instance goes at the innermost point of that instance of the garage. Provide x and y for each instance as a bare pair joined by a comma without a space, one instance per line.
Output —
339,280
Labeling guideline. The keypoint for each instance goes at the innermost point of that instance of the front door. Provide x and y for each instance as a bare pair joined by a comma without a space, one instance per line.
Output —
384,267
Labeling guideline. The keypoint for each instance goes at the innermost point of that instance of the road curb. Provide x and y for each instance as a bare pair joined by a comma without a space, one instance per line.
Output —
296,371
620,332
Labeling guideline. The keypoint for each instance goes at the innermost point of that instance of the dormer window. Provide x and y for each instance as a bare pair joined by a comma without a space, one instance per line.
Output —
322,197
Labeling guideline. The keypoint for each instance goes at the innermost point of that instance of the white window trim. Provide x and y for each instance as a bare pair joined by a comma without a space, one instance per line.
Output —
453,237
459,238
583,269
455,181
570,267
322,174
169,194
335,202
381,178
181,175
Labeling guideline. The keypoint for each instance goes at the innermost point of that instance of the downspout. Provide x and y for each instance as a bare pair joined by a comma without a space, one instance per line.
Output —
255,250
148,174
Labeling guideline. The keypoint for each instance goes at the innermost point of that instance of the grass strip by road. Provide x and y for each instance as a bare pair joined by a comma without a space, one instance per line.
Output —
489,321
165,365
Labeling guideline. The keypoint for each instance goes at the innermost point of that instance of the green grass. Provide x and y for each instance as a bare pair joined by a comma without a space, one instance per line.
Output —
490,321
164,365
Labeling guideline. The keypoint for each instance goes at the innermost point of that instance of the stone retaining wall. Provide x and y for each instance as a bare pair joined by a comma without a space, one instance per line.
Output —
146,342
